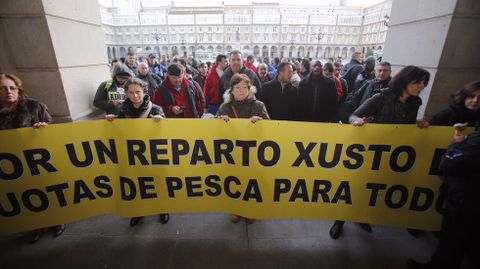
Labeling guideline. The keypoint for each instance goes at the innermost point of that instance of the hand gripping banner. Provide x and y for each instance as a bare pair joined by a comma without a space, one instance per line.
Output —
379,174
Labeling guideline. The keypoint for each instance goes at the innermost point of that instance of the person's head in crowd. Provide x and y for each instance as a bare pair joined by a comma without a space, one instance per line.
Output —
383,71
266,61
122,60
121,73
142,59
209,65
358,56
11,90
250,59
297,66
276,61
305,66
330,60
262,70
222,61
190,60
285,71
369,64
240,88
152,60
284,60
136,89
338,60
203,69
143,68
236,61
113,64
337,69
175,59
176,74
182,62
328,70
131,59
164,58
317,68
409,81
468,96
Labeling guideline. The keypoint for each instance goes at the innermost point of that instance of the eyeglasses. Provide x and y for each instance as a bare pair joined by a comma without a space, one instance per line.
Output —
6,88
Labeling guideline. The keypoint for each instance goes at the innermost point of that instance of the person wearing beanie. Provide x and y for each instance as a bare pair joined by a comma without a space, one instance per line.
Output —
178,96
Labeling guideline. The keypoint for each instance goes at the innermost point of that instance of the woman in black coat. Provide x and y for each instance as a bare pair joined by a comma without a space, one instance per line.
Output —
399,103
138,105
459,234
465,108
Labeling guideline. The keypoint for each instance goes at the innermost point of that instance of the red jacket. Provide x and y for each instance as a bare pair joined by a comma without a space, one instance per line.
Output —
212,87
167,97
338,84
251,66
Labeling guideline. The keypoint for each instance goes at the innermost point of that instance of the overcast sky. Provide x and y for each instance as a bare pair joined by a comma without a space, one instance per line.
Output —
247,2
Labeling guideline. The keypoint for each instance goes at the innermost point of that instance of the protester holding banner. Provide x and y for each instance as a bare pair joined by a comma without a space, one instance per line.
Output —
240,102
465,107
18,111
138,105
397,104
460,234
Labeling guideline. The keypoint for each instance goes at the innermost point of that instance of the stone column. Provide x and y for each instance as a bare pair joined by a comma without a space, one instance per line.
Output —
440,36
57,48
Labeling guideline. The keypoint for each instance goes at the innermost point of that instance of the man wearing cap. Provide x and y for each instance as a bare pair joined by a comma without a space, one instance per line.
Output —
318,97
178,96
157,70
110,93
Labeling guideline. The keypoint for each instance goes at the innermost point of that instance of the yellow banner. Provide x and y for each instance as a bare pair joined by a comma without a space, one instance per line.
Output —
380,174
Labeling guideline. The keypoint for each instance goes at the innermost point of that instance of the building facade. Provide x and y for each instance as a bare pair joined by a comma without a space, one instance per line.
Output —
261,29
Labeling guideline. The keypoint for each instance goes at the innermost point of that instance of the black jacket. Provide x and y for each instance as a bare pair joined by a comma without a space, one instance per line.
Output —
102,96
460,166
350,72
152,83
456,114
281,104
368,90
318,99
383,108
127,110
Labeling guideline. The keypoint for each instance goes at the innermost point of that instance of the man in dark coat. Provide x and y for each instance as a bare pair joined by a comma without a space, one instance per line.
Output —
318,97
383,73
280,96
236,66
351,70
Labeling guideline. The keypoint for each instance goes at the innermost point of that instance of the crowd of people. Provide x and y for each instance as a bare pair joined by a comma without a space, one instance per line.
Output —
358,93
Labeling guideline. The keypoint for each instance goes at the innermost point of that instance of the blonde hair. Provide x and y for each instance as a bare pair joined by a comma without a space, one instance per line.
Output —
17,81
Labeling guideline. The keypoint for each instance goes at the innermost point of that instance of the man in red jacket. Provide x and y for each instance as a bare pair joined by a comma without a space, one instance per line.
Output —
212,84
178,96
249,63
